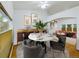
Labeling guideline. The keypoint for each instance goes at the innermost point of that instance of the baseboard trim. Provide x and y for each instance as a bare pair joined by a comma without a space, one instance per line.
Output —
10,52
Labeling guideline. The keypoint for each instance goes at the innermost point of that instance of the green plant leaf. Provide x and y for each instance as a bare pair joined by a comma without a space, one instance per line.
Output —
40,25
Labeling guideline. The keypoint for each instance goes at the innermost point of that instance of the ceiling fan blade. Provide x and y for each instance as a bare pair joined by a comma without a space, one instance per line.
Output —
64,18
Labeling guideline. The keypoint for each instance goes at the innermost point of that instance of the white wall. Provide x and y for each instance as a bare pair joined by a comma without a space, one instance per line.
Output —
19,19
8,5
74,12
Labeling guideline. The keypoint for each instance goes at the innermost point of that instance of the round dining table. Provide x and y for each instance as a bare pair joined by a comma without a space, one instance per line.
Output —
43,38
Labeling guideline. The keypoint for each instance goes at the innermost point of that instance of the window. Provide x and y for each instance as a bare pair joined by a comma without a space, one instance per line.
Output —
63,27
4,21
74,27
69,27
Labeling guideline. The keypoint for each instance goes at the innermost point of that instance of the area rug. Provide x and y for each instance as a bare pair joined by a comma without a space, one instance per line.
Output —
50,53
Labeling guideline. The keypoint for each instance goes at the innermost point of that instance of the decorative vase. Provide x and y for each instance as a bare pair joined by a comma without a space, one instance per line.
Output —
40,31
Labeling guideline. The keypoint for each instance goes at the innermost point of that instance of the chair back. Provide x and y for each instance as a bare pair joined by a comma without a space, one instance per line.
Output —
62,40
31,51
60,45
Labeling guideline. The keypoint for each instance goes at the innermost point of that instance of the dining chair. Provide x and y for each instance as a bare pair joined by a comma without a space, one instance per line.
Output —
60,45
33,51
43,44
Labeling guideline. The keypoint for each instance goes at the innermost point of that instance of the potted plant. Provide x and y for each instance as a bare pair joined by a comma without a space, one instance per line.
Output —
40,26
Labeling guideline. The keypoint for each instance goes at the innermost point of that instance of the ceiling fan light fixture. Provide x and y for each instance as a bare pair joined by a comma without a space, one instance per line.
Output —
44,6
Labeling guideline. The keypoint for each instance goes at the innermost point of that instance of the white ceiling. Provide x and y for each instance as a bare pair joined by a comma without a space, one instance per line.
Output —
54,6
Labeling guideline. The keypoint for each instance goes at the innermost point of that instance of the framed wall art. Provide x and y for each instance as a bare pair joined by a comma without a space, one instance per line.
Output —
34,18
28,20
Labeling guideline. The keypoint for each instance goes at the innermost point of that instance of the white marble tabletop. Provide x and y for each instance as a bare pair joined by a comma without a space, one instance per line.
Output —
42,37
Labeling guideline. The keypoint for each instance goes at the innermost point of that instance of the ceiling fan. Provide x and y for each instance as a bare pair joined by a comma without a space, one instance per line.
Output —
62,18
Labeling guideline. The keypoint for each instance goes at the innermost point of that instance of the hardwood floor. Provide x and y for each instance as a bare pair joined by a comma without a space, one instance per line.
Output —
71,48
14,51
72,51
